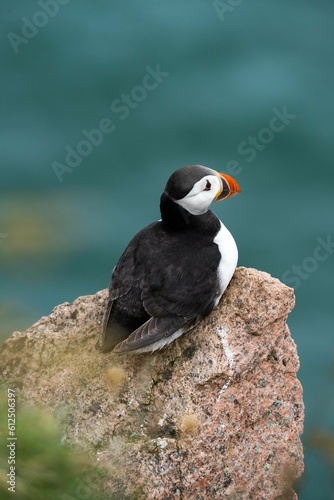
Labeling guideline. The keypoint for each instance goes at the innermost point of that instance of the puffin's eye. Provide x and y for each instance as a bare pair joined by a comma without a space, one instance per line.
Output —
208,186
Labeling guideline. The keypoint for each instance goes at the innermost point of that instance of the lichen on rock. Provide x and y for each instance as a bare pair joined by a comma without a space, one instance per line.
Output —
217,414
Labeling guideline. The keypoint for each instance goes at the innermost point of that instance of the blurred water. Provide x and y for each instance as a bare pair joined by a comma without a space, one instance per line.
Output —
223,77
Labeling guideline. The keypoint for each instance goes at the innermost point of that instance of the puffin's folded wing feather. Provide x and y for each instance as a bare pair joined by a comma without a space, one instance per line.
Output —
105,320
151,332
125,276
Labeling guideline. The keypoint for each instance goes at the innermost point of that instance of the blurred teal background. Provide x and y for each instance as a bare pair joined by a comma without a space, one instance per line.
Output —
225,73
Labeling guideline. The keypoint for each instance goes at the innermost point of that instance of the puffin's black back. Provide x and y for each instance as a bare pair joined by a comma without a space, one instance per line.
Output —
168,269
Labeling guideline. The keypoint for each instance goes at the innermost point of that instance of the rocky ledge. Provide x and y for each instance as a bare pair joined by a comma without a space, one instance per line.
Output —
217,414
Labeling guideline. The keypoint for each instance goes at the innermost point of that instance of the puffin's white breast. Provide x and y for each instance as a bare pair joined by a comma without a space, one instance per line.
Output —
229,257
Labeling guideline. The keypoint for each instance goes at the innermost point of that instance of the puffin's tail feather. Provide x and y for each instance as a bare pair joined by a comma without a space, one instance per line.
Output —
111,333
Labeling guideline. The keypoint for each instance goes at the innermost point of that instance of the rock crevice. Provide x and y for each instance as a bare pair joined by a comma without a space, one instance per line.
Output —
217,414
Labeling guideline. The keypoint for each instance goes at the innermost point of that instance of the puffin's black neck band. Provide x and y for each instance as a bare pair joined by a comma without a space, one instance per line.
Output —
178,219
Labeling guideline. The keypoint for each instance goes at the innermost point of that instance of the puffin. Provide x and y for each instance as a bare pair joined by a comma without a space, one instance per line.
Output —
174,272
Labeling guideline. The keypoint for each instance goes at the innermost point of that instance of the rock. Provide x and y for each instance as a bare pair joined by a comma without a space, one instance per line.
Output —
217,414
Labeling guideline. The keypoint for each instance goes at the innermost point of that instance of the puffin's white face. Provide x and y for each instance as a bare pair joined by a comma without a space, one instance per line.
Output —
204,192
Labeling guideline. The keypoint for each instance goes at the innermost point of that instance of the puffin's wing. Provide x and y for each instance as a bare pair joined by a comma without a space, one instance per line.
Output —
154,334
127,272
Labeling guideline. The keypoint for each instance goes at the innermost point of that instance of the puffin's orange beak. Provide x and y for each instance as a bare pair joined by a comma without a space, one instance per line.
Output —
229,187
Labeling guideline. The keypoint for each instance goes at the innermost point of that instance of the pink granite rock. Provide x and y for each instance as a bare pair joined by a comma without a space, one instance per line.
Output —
217,414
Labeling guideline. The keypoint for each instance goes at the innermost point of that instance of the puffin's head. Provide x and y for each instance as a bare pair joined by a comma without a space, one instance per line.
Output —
195,187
